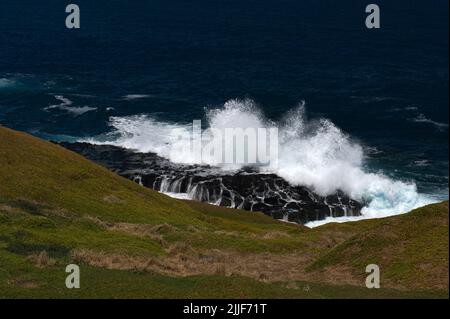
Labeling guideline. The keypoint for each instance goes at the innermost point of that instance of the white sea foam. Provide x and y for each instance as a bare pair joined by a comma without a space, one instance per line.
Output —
377,209
421,163
407,108
131,97
143,133
66,105
421,118
312,153
178,195
6,83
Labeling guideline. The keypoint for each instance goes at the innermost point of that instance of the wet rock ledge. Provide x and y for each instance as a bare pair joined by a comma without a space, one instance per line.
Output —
245,189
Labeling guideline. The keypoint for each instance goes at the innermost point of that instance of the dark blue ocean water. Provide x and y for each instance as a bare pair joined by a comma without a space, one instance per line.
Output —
386,88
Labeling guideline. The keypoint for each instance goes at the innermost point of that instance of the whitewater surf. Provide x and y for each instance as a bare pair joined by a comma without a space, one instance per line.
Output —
314,153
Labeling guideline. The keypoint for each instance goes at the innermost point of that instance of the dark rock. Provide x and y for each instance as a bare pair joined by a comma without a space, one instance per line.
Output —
245,189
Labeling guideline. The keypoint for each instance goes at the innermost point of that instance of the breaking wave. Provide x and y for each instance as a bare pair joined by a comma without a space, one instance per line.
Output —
313,153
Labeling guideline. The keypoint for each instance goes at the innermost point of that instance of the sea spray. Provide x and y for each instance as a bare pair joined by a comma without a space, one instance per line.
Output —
313,153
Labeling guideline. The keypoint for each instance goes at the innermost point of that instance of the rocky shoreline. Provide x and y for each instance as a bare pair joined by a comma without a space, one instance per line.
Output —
245,189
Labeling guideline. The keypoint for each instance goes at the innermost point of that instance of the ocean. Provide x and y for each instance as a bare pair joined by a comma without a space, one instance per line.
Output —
361,110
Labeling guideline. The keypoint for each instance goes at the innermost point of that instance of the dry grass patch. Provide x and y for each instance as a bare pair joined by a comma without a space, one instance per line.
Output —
8,209
42,260
183,261
58,212
23,283
153,232
112,199
274,235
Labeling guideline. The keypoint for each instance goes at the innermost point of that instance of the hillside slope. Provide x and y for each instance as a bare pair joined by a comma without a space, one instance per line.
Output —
410,249
58,208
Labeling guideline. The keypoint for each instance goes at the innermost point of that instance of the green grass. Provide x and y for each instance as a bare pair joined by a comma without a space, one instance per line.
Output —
54,203
104,283
404,246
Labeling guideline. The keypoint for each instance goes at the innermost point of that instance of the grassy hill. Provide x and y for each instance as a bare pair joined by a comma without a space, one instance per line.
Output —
58,208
